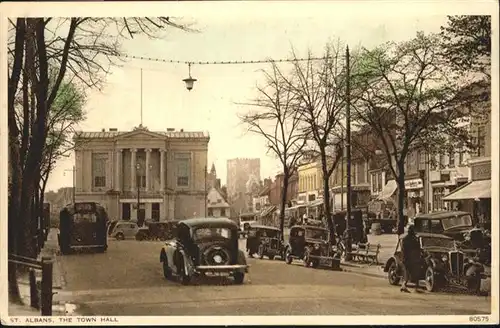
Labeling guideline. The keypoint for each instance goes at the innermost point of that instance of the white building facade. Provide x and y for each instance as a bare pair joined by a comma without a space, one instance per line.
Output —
158,176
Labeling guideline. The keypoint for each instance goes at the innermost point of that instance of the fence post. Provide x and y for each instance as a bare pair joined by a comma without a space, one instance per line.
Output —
34,295
47,266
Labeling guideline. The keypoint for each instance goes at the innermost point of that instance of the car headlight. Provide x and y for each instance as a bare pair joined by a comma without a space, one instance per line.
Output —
444,258
316,246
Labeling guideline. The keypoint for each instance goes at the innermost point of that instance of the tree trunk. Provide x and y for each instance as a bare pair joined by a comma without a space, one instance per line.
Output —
14,161
286,178
401,199
326,198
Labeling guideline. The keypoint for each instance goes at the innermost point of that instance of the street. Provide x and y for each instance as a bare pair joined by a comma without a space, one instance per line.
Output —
128,280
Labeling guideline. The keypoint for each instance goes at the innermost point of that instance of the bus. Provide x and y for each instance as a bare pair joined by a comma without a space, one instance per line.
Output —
83,226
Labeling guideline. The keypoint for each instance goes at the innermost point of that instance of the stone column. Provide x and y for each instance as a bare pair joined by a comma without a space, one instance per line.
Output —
162,169
118,167
147,168
133,170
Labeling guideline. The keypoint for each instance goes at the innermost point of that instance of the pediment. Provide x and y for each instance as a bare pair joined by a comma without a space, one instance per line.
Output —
141,134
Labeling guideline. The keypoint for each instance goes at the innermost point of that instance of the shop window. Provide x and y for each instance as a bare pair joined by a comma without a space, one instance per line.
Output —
210,212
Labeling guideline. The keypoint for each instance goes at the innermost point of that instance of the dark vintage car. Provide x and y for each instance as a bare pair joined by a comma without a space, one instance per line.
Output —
157,231
201,246
264,241
312,245
454,224
442,264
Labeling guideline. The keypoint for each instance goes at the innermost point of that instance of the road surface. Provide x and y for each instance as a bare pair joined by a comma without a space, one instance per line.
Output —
128,280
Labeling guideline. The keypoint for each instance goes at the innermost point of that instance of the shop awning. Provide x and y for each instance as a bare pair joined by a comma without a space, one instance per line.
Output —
388,190
316,202
267,211
472,190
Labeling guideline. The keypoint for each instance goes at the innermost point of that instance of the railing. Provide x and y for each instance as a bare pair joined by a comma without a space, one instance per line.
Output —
44,295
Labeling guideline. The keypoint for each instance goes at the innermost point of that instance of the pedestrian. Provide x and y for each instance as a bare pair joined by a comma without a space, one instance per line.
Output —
410,248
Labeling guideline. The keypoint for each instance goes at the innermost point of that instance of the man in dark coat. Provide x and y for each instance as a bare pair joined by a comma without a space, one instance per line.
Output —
410,248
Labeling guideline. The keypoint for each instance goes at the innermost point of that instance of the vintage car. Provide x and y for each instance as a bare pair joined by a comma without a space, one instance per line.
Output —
312,245
442,264
157,231
204,246
264,241
453,224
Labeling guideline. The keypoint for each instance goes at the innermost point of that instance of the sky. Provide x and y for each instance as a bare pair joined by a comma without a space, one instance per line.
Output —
213,103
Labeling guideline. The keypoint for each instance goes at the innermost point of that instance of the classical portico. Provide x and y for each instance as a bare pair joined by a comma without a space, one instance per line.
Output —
163,172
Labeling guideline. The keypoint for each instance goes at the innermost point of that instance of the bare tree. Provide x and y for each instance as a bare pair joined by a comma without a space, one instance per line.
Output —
320,92
409,100
81,49
277,121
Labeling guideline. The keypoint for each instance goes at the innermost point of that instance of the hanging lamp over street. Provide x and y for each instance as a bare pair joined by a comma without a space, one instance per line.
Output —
189,81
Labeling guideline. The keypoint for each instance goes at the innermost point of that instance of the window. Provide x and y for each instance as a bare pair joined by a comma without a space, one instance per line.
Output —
480,141
460,157
361,172
451,162
441,160
379,184
99,161
182,162
155,212
210,212
141,181
374,182
223,212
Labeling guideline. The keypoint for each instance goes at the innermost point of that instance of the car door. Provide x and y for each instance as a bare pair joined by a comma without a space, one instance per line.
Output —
131,230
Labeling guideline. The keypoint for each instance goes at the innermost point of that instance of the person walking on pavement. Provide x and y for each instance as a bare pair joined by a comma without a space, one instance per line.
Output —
410,248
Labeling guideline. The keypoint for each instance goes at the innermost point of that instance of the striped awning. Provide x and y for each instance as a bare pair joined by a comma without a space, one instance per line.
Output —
268,211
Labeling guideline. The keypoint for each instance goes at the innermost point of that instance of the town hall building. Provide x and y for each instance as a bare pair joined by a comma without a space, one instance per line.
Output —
162,172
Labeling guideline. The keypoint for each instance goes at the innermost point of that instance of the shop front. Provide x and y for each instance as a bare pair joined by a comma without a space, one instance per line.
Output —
414,196
475,196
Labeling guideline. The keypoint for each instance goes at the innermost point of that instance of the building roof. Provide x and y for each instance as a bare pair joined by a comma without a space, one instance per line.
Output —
115,134
265,191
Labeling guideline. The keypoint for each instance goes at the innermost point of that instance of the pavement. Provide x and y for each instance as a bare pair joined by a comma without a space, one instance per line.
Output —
50,249
128,280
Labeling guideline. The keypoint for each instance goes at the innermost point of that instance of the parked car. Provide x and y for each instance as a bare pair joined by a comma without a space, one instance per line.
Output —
157,231
454,224
201,246
122,230
264,241
442,264
311,245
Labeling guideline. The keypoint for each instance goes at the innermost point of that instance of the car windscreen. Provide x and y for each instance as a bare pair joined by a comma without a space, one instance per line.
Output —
457,221
437,242
317,234
204,233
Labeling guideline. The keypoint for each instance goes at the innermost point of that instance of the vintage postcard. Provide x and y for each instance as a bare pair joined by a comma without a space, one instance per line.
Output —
249,162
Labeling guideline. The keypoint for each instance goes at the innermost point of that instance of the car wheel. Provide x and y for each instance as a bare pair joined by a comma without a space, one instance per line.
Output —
431,280
239,277
474,284
261,252
306,259
120,236
185,277
288,256
314,263
392,274
167,272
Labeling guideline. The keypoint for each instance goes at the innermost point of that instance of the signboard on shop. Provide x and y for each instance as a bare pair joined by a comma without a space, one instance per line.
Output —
481,172
414,184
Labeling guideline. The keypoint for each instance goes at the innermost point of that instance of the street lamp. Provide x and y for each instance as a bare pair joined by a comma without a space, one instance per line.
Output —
189,81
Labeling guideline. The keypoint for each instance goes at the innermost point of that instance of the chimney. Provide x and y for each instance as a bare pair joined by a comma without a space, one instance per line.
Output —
113,129
182,130
103,130
170,130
